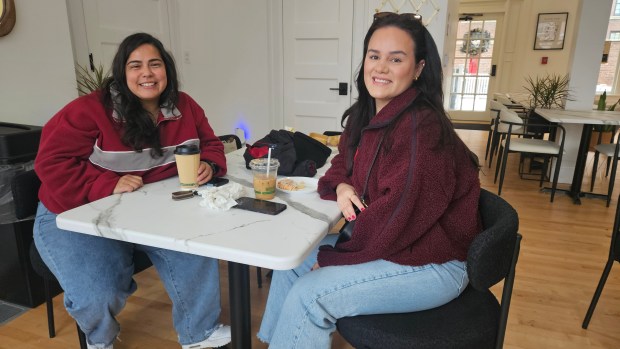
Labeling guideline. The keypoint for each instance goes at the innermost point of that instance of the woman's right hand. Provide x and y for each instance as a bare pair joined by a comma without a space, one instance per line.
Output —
127,184
346,198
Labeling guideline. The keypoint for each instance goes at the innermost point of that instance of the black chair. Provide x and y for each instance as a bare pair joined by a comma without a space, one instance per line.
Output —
612,152
614,255
25,188
500,132
494,109
532,147
473,320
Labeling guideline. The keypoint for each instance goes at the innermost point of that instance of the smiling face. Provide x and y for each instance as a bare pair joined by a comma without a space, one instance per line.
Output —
146,75
389,65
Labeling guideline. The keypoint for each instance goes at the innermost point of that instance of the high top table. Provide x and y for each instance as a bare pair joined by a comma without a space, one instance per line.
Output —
150,217
576,122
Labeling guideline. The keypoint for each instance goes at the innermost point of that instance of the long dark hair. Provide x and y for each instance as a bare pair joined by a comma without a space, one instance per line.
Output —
429,84
139,131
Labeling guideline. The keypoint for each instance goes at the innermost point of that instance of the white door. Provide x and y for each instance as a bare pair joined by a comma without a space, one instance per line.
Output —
317,36
108,22
473,72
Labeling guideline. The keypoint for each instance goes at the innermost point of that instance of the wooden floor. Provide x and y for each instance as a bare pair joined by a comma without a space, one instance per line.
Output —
563,252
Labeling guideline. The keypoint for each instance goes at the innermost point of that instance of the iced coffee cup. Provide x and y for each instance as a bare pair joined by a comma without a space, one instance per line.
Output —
265,174
187,157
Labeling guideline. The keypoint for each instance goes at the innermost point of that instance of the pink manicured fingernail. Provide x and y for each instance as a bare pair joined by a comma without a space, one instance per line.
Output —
353,217
362,209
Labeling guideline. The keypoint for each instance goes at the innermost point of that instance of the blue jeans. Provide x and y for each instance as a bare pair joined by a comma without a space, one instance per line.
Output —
96,275
303,306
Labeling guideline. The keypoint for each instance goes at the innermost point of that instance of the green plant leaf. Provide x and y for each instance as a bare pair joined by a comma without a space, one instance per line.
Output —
602,101
550,91
88,81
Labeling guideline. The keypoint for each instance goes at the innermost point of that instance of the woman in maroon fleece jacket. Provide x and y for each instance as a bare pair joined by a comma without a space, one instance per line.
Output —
113,141
415,184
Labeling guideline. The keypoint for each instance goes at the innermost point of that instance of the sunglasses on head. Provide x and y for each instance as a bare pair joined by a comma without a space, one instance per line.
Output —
410,16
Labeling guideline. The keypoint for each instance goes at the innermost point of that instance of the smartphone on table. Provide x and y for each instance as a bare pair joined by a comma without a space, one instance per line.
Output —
260,206
216,182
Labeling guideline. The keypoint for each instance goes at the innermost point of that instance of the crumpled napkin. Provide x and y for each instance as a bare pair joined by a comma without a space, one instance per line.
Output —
221,198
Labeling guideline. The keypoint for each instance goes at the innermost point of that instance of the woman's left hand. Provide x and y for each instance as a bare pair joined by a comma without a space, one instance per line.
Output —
205,173
315,266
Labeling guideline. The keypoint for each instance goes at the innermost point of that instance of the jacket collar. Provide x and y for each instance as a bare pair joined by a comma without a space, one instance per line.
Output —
393,108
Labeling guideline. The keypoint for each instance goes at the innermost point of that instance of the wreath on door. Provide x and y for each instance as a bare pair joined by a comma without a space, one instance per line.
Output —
476,41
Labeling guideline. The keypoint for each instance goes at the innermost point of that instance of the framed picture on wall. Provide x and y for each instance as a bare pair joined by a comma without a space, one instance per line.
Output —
550,31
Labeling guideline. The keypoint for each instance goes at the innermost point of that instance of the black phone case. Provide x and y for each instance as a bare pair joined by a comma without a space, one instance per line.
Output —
260,206
217,182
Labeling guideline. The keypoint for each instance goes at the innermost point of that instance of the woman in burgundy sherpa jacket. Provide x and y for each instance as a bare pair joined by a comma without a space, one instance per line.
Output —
416,186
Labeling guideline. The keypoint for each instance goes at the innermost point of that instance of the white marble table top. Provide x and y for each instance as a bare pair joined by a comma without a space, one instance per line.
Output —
593,117
150,217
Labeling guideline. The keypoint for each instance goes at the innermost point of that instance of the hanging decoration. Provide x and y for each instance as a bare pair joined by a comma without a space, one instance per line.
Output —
476,41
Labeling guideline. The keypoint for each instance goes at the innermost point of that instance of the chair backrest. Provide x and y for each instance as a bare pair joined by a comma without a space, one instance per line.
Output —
490,255
496,106
510,116
493,254
25,189
503,99
231,142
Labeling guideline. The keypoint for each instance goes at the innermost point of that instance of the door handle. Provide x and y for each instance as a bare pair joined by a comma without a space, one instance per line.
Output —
342,89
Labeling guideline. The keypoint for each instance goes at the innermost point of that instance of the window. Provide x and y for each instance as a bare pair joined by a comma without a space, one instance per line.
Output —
609,73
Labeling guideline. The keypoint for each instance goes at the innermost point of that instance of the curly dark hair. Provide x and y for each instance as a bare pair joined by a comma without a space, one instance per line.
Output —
138,130
429,84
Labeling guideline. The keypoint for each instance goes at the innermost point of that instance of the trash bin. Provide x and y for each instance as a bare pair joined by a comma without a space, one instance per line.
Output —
19,283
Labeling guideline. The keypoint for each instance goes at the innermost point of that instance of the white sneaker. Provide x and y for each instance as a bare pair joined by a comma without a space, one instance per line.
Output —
219,337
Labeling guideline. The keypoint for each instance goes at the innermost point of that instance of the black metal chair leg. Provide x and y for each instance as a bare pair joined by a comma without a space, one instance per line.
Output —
597,293
500,157
543,171
81,337
503,170
494,145
49,303
259,277
486,152
612,179
594,168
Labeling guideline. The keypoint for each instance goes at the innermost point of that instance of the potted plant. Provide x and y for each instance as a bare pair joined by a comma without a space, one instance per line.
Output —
550,91
88,81
602,133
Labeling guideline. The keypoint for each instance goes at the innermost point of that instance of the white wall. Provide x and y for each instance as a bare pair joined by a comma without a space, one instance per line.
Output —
36,63
228,70
233,70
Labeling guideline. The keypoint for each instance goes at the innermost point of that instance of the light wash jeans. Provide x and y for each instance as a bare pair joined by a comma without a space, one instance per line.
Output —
96,275
303,306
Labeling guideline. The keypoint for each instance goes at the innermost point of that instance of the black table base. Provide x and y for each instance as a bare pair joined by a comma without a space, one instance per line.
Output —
240,316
